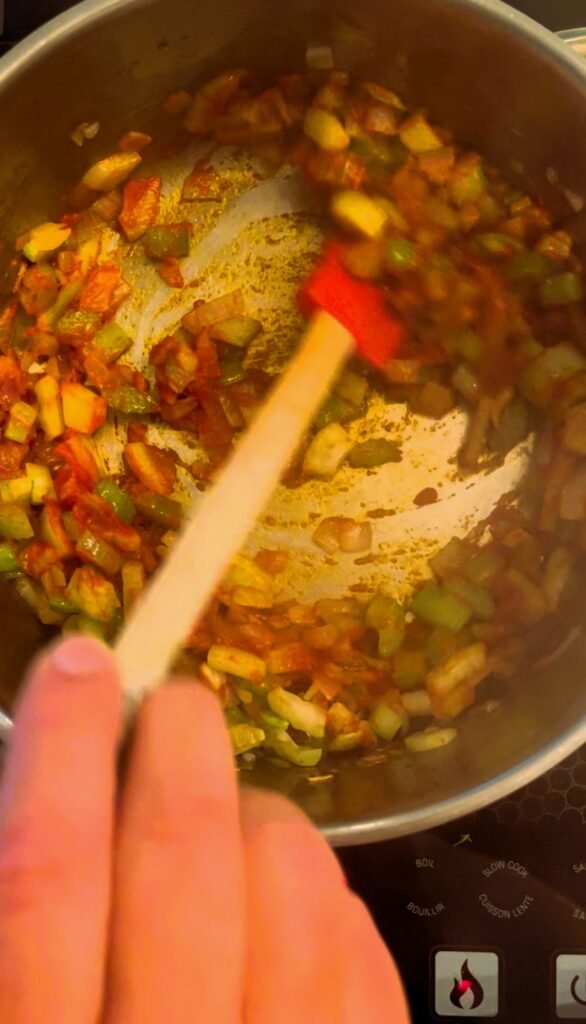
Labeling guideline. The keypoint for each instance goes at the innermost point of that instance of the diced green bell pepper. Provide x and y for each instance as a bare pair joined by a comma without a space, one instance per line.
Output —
123,506
335,409
130,401
166,241
8,559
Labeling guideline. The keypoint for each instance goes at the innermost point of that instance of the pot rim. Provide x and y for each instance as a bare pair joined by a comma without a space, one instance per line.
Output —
67,26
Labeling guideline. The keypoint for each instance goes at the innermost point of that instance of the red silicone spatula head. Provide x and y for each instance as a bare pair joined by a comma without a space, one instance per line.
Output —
357,305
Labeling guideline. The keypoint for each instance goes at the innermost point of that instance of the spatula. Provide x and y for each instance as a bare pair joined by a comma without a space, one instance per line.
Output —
346,315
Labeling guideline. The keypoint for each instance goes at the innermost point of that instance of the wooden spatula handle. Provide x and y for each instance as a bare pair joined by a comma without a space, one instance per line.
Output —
183,586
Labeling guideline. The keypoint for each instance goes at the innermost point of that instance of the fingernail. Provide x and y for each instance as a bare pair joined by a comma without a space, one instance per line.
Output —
81,656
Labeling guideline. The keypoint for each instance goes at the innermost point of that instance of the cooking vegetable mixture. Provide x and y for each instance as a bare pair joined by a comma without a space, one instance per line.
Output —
491,297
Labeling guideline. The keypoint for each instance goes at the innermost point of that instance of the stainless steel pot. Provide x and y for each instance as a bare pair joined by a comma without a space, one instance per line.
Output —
503,85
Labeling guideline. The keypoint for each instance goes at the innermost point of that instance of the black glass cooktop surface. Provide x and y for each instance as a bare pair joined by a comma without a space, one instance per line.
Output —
486,917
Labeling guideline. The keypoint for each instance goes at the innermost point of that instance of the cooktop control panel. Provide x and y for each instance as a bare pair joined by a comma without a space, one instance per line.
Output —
487,917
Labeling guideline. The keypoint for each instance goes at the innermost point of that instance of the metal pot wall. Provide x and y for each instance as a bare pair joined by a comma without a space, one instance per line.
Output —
504,86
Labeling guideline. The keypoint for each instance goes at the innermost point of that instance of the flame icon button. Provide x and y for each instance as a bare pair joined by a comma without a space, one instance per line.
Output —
466,983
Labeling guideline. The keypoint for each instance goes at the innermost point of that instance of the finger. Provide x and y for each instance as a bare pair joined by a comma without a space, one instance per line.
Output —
56,814
178,928
301,920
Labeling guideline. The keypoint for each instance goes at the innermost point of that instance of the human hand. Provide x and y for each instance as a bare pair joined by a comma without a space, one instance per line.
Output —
183,901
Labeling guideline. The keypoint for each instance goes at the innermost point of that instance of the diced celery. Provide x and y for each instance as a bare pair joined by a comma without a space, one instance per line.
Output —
93,595
418,135
302,714
466,664
441,645
526,266
327,451
156,508
345,741
383,611
16,491
45,239
40,481
375,452
237,330
123,506
409,669
390,639
429,739
561,289
237,662
477,598
21,422
245,737
93,549
14,523
351,387
51,316
417,703
84,624
467,344
359,212
512,428
400,254
111,171
50,409
325,130
387,721
243,572
130,400
8,559
483,566
468,182
285,746
466,383
335,409
112,341
437,608
233,370
553,366
273,721
133,582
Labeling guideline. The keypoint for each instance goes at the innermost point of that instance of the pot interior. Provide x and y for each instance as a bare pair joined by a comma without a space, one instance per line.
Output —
493,78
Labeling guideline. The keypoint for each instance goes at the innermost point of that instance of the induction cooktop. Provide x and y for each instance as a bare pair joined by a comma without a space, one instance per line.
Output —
486,917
